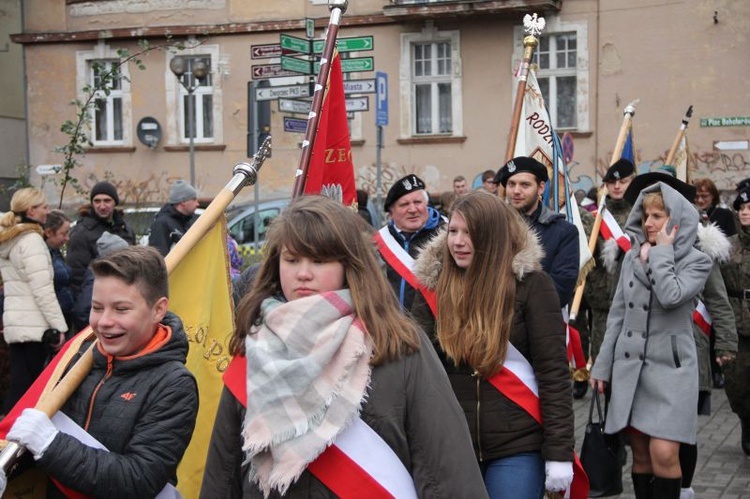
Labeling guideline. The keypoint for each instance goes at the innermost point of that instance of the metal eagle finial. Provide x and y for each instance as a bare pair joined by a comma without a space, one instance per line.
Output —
533,24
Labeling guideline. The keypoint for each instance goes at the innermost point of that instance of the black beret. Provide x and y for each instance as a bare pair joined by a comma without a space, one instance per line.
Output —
743,196
620,169
643,180
104,188
521,164
402,187
742,184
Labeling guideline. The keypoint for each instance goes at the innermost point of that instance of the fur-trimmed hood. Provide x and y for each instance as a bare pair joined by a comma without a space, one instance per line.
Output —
8,233
712,241
709,239
429,263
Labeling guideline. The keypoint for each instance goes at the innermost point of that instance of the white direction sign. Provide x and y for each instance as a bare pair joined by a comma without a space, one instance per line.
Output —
295,106
356,104
359,86
286,91
353,105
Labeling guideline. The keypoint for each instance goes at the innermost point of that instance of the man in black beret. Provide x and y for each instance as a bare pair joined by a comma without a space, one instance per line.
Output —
412,223
94,219
601,281
524,180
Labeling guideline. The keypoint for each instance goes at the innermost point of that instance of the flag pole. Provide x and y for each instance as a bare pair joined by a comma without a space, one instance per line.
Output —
56,394
337,8
533,26
680,135
627,122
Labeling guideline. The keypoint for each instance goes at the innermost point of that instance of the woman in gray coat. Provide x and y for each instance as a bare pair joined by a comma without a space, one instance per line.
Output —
648,354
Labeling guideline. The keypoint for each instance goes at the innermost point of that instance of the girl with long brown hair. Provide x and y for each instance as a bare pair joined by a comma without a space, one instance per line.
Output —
321,346
494,302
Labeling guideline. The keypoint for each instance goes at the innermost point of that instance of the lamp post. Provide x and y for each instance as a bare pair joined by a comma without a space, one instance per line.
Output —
199,70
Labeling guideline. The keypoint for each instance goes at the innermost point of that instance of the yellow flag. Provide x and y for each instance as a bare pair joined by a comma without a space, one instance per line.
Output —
200,293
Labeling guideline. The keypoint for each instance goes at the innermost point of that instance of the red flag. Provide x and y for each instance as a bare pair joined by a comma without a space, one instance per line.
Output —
331,168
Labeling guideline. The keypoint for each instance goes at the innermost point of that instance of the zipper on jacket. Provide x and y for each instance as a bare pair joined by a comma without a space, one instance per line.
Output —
675,355
479,404
107,375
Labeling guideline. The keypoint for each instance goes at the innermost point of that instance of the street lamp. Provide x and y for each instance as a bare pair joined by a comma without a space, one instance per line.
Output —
199,70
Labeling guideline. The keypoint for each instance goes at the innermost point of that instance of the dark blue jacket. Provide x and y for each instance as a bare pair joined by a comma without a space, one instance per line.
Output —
63,276
559,239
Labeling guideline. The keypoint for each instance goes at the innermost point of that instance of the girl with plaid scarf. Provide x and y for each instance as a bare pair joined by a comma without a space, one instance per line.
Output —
323,344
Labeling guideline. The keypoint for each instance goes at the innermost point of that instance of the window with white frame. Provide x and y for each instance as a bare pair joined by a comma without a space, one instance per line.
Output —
201,115
556,58
430,77
106,113
110,122
432,88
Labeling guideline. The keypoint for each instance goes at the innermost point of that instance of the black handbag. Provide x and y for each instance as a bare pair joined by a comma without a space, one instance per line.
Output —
601,455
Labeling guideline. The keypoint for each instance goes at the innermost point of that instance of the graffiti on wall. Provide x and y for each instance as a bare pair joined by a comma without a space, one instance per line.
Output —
153,189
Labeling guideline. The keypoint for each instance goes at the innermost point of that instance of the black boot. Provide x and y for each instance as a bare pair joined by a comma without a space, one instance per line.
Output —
666,488
642,485
745,438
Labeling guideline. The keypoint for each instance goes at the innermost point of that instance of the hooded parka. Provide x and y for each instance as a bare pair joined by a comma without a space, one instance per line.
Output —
648,355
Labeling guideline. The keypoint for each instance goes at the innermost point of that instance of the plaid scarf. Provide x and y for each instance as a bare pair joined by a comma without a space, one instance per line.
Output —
307,373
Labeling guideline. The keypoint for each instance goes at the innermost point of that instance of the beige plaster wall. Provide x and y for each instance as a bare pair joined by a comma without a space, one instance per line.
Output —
637,50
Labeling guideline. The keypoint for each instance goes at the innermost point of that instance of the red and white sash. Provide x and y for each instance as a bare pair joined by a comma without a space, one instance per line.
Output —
403,263
359,464
517,381
610,229
702,318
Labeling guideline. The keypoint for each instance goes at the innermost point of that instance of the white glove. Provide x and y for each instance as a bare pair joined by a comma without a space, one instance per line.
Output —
559,475
34,430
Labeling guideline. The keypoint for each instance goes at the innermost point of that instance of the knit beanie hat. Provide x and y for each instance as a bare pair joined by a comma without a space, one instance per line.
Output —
105,188
181,191
107,243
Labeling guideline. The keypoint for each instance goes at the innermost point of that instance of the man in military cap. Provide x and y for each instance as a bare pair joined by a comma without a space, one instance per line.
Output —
736,273
524,180
602,279
412,223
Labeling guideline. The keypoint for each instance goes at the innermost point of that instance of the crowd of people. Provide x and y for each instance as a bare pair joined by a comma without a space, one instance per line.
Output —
431,353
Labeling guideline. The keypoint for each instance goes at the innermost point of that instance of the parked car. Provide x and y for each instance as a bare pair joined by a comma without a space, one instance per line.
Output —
140,219
242,220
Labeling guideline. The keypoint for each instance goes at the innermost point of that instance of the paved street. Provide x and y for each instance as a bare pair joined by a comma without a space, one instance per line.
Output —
723,470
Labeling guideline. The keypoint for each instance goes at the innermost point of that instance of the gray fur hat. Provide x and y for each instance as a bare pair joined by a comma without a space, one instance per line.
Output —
108,242
181,191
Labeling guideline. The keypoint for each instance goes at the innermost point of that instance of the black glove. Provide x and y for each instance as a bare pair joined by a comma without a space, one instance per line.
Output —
52,339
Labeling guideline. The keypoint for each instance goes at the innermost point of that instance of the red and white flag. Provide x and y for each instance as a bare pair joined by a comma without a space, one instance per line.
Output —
610,229
331,168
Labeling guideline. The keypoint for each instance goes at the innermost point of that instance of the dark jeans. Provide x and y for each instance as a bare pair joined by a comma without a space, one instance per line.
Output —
27,361
520,476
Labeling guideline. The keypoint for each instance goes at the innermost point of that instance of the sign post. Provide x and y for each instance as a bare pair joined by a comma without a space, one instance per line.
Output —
381,120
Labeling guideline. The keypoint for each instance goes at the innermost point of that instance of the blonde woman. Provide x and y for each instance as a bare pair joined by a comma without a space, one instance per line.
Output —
648,356
32,317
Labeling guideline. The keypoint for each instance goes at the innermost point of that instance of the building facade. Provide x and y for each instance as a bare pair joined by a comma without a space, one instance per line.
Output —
450,71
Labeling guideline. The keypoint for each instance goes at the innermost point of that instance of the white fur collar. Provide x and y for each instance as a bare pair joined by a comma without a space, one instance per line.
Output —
429,263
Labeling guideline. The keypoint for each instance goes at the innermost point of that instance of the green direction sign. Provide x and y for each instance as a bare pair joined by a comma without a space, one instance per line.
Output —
351,44
726,121
351,65
294,44
296,65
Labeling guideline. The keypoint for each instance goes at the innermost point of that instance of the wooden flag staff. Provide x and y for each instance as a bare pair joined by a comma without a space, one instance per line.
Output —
337,8
627,120
680,135
56,394
534,27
